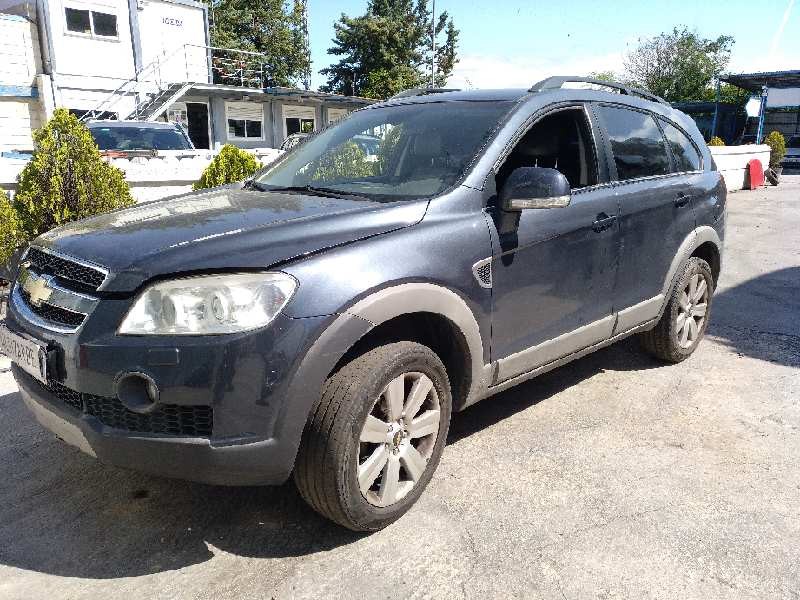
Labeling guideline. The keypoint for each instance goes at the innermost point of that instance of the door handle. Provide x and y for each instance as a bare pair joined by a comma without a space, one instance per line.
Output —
682,200
603,222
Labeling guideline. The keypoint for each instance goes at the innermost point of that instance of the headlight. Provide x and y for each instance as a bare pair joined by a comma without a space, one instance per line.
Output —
209,304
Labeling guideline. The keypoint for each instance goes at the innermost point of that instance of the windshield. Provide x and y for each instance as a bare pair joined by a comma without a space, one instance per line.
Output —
392,152
139,138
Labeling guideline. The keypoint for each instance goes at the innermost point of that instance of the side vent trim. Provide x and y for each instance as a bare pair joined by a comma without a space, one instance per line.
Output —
482,270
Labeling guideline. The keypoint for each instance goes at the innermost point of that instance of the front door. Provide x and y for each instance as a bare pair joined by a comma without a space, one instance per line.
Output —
197,124
555,269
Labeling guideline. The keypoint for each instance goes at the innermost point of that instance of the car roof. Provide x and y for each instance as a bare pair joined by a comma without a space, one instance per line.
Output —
423,96
138,124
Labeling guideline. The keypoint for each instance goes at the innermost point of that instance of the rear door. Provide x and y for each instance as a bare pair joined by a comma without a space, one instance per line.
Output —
656,211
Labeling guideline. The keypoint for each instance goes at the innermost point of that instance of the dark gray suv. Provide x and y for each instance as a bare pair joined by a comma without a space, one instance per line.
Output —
326,317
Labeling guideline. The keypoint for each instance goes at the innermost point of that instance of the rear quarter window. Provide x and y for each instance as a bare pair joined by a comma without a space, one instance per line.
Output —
636,142
686,156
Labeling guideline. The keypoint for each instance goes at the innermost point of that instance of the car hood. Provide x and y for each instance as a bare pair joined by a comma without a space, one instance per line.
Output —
221,229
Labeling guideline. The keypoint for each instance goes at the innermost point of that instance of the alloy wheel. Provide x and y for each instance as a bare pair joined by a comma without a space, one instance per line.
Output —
398,438
693,308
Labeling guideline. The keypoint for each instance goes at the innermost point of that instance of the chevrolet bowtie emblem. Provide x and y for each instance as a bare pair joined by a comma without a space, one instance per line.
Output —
37,287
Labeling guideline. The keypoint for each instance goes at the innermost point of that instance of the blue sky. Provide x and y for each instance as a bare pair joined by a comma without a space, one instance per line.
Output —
511,43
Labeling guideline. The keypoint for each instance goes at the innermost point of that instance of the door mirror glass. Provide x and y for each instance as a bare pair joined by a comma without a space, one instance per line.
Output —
535,187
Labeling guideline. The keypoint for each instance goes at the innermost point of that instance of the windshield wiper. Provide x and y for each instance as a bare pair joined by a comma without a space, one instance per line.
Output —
313,190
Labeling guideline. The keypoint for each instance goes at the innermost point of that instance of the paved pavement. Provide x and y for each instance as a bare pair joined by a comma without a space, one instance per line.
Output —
613,477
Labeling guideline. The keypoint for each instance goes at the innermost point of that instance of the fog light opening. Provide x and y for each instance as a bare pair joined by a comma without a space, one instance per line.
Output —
137,392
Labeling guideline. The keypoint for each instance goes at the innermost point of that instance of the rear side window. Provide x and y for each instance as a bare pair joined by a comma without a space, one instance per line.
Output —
636,143
683,151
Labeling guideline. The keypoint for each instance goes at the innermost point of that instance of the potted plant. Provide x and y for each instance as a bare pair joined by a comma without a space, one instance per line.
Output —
777,146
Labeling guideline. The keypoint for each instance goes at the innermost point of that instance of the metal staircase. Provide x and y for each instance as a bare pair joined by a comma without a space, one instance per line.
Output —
154,105
167,78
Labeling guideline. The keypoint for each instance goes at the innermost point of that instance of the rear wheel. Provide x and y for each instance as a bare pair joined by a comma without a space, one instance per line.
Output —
683,324
372,443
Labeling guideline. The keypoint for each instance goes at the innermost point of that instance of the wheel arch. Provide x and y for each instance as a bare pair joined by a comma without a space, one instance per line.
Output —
704,242
432,315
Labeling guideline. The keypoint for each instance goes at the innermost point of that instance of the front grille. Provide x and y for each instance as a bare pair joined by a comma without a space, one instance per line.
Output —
87,278
167,419
54,314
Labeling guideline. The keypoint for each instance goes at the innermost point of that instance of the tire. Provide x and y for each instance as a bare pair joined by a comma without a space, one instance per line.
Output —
772,176
674,338
354,430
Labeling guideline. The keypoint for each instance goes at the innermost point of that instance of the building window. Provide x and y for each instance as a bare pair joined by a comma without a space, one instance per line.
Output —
245,121
91,22
299,119
334,114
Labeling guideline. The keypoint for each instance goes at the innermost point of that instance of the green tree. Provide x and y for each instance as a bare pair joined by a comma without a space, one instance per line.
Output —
678,66
389,49
10,233
66,179
729,94
604,75
271,27
232,164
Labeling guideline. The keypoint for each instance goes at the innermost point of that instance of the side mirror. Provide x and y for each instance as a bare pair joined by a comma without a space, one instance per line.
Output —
535,187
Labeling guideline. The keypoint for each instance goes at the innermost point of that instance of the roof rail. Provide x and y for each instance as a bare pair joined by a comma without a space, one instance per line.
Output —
422,92
555,83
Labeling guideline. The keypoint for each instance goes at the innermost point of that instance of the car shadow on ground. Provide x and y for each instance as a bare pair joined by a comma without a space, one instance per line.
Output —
760,317
66,514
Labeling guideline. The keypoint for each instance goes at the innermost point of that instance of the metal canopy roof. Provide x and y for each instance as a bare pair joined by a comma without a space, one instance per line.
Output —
755,81
217,89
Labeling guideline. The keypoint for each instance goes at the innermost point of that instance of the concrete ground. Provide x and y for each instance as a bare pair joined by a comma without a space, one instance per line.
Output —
612,477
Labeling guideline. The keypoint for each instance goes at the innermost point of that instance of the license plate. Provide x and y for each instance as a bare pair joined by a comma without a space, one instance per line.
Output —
27,354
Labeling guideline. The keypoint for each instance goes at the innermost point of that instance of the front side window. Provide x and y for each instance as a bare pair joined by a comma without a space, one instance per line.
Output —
91,22
561,140
636,143
404,151
683,151
245,120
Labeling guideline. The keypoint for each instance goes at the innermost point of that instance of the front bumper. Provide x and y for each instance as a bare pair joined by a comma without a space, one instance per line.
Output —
259,462
249,382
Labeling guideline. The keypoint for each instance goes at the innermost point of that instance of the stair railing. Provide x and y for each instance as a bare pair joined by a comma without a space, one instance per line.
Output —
240,68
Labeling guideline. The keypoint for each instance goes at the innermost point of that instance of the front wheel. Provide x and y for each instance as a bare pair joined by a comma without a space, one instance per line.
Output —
374,440
683,324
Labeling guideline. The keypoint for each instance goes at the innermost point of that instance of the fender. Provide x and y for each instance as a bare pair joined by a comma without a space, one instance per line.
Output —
408,298
354,323
694,240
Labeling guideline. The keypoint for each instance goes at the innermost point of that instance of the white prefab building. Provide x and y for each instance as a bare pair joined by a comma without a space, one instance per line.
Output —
144,60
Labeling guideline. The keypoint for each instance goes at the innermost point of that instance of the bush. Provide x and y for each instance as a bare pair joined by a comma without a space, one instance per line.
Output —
232,164
777,146
716,141
10,233
66,179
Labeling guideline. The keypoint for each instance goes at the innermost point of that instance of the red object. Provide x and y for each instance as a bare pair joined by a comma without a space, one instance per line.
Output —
755,172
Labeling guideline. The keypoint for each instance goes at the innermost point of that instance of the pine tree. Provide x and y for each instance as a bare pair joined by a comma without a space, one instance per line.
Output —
389,49
66,179
10,233
268,27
